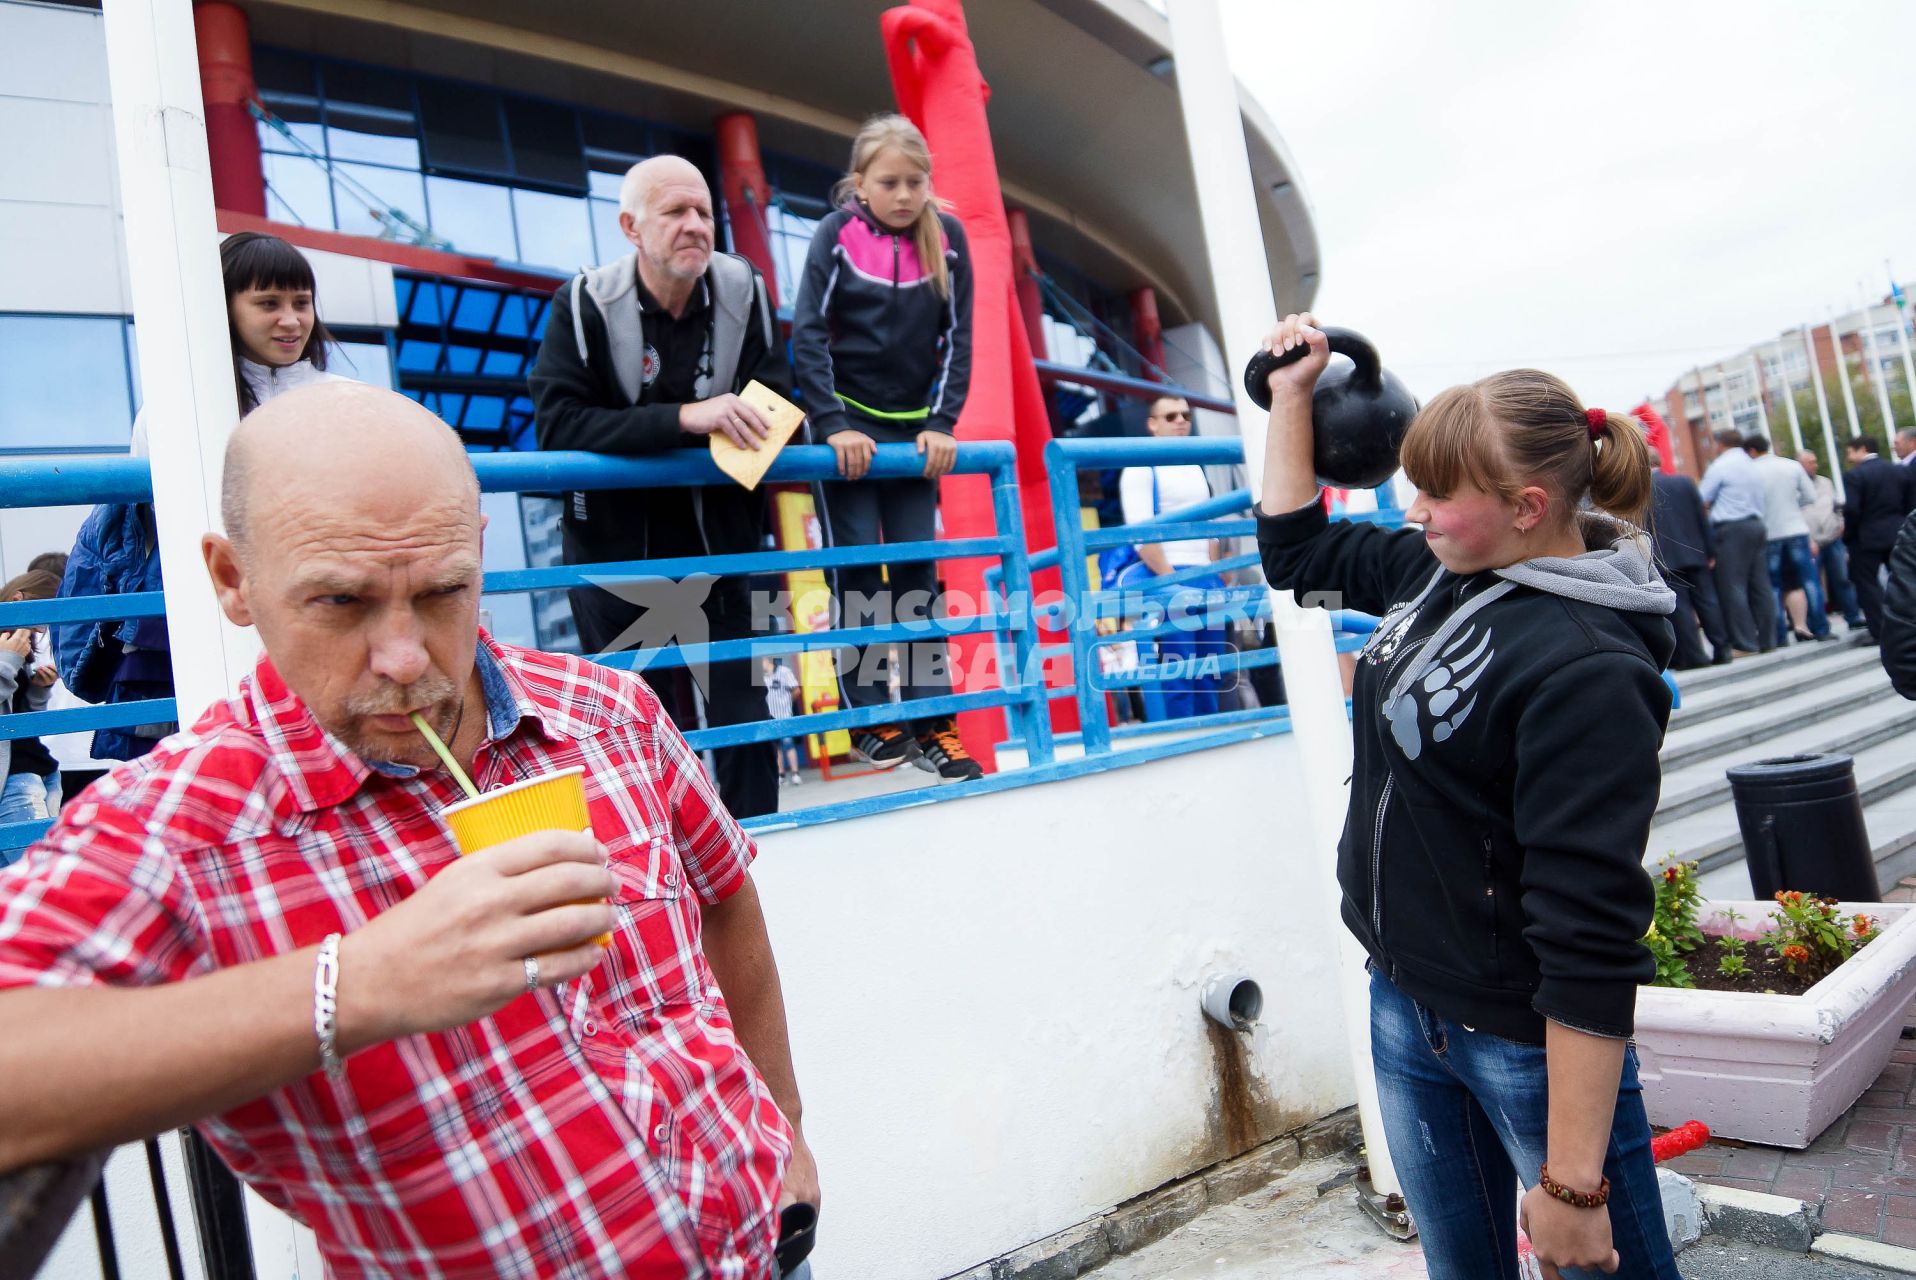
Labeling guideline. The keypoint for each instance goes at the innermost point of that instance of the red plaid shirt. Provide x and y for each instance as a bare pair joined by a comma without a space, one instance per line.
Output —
610,1127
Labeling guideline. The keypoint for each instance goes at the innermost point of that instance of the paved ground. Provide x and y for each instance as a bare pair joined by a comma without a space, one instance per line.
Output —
1861,1171
1307,1227
1285,1231
1714,1259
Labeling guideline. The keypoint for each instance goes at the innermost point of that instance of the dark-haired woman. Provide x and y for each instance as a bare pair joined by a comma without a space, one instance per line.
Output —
278,344
278,341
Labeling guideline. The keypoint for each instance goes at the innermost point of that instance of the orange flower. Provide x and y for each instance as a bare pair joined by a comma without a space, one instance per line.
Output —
1669,875
1795,953
1863,924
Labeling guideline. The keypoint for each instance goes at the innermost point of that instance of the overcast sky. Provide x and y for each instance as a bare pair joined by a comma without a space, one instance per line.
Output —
1610,191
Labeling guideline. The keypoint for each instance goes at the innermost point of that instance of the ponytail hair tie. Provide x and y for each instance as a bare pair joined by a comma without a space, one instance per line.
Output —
1598,420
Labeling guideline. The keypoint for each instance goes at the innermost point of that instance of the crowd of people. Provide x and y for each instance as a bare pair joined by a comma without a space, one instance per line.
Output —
567,1053
1762,554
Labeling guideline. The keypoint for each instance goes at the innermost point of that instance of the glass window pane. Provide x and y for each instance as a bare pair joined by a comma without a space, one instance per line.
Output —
609,240
461,124
545,143
614,144
63,383
604,184
133,363
288,90
554,231
369,116
368,362
297,190
504,364
419,356
475,216
388,189
476,309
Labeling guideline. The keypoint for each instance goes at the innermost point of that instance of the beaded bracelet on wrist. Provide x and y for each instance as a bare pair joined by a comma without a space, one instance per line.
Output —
1575,1199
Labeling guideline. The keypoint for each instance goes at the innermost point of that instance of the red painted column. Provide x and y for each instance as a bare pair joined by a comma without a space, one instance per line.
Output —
1024,270
226,85
747,194
1146,331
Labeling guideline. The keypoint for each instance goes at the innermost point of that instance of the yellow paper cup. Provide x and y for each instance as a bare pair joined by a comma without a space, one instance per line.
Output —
549,802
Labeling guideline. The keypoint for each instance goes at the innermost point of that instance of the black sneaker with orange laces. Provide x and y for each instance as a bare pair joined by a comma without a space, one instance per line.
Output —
940,752
885,745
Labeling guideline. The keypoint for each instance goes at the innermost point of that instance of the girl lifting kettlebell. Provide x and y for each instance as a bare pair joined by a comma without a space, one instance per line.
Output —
881,341
1507,715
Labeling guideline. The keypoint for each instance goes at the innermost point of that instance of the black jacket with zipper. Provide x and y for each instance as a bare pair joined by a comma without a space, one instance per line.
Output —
1491,861
870,325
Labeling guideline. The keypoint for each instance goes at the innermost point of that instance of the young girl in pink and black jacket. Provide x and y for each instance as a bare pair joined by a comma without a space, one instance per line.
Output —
881,341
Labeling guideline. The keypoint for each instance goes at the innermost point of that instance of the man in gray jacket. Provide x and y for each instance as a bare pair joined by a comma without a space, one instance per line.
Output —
640,356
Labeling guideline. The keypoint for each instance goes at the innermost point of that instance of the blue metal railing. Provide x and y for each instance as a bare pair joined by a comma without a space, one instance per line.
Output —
26,483
1085,604
1008,614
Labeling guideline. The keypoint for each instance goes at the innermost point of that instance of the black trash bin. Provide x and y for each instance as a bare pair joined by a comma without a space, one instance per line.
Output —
1802,824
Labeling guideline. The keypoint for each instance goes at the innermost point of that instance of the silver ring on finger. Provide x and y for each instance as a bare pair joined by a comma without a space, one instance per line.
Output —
532,973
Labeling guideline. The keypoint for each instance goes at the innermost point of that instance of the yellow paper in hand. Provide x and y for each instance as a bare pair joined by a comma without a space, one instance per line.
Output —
748,466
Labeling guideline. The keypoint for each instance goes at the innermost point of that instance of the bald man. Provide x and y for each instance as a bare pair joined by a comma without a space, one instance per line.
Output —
263,927
644,355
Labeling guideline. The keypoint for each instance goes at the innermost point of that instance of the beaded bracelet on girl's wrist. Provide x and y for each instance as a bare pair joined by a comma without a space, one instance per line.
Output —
1575,1199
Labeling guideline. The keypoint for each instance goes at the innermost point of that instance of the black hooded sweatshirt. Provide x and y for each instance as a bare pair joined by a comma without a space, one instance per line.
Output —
1506,726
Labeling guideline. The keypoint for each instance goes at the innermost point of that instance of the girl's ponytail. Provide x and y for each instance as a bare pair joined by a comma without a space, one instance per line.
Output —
1620,479
928,233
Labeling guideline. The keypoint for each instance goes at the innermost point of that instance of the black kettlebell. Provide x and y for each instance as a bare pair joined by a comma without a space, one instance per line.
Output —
1359,411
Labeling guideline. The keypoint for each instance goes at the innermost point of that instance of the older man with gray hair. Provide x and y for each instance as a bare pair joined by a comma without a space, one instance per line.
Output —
645,354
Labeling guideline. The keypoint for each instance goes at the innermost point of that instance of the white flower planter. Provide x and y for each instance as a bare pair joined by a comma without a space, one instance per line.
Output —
1777,1069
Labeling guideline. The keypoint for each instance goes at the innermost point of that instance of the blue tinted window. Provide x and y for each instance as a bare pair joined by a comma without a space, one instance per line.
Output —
554,231
604,185
476,310
475,216
63,382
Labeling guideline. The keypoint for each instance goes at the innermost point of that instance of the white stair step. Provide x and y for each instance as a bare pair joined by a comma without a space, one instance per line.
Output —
1709,677
1792,712
1697,786
1756,690
1711,836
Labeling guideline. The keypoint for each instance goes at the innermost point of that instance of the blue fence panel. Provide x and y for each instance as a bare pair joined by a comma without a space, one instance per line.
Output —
80,481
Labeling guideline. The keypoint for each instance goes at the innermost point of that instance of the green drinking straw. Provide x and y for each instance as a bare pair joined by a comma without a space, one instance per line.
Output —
445,755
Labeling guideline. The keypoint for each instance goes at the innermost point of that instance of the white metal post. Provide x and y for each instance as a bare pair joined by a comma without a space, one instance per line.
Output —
1842,371
1762,409
1789,397
1909,364
1823,410
179,309
1876,369
1240,278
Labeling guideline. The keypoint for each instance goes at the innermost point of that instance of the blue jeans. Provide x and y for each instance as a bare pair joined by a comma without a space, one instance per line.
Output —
1801,559
1466,1113
28,797
1834,559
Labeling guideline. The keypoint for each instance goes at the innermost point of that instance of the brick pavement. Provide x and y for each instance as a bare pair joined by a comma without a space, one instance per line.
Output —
1861,1172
